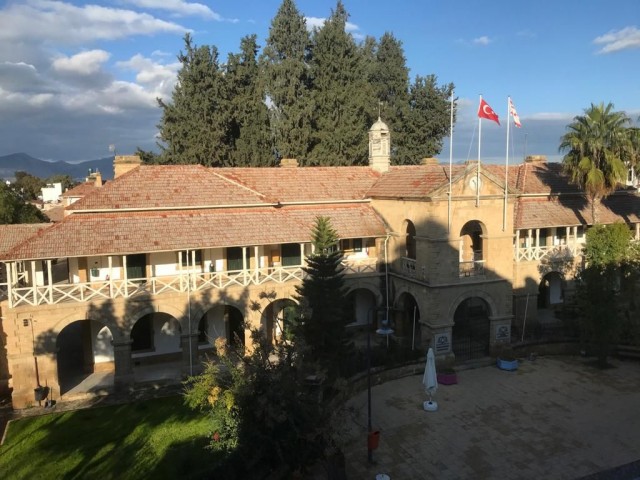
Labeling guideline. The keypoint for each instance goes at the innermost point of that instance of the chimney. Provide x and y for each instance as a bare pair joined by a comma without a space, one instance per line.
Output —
429,161
123,163
97,176
288,163
536,159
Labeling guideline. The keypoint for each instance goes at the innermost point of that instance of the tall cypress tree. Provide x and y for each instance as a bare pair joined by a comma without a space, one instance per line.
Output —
249,127
428,121
390,80
341,94
195,125
287,81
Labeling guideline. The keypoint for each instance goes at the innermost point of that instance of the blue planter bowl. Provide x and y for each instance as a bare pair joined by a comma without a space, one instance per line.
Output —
508,365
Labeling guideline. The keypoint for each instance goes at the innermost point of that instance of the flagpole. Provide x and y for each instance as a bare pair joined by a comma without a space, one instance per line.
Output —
478,164
506,168
450,163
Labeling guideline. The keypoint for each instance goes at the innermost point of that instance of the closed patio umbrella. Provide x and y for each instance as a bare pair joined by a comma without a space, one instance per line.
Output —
430,381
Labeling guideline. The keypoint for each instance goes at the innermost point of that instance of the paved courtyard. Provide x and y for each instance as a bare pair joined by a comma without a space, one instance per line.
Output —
554,418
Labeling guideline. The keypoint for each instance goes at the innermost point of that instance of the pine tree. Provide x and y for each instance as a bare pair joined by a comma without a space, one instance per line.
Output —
341,94
195,125
322,297
428,121
286,72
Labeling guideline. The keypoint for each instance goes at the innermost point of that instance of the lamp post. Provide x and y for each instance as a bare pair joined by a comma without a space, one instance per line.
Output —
369,428
386,331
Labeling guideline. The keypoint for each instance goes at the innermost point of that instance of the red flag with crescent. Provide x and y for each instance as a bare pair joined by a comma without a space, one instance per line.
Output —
485,111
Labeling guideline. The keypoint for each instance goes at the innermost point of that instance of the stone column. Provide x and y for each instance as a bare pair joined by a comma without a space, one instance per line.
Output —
123,375
190,362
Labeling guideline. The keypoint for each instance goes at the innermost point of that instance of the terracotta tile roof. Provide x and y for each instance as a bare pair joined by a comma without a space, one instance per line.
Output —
305,184
568,210
544,178
185,186
55,213
133,232
168,186
81,190
12,235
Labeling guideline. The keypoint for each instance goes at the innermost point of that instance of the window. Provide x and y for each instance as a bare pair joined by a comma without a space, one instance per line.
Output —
291,254
187,258
234,258
357,244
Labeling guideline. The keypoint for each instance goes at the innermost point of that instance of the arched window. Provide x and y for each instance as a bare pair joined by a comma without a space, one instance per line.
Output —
410,240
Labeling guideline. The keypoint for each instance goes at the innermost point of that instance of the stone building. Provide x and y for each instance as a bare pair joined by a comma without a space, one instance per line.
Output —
147,269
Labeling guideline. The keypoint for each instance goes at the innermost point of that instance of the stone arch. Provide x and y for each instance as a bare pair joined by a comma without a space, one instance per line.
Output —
156,334
406,319
276,318
221,320
109,322
360,300
471,332
83,347
410,248
472,244
467,294
550,289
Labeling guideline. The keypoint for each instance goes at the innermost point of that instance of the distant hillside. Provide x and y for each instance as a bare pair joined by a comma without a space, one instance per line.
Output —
9,164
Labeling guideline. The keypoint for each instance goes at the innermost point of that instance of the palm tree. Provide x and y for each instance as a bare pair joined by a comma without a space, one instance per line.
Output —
596,144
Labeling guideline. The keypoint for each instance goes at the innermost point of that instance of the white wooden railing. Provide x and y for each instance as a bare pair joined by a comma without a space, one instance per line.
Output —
528,254
184,282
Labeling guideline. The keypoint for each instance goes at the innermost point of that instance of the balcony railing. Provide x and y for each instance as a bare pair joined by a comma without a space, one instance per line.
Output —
472,268
558,252
179,283
408,266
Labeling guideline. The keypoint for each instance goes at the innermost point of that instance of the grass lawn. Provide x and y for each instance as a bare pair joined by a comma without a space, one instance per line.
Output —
156,439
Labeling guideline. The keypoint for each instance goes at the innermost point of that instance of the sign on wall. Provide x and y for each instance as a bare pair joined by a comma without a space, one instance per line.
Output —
442,343
503,332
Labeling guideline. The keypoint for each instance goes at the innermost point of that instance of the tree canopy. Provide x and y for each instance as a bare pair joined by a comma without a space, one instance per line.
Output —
14,208
310,96
597,146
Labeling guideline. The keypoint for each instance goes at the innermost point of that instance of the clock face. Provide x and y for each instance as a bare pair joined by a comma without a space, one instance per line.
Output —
475,183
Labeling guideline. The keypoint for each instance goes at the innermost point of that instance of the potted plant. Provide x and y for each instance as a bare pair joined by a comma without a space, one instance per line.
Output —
505,359
447,376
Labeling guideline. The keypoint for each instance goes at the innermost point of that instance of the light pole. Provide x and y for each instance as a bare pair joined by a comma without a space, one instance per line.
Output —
369,427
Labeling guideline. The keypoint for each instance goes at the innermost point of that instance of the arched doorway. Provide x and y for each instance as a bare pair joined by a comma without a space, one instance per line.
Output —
278,318
471,329
550,290
407,321
224,321
155,338
83,347
359,303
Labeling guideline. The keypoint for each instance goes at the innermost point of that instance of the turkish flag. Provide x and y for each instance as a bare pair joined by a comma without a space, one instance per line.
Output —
485,111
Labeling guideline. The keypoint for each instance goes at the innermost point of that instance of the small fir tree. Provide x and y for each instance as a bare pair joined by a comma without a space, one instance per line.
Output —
322,298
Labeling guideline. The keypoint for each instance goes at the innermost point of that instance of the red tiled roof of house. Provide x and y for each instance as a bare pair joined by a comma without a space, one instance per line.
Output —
81,190
540,212
168,186
134,232
306,184
12,235
185,186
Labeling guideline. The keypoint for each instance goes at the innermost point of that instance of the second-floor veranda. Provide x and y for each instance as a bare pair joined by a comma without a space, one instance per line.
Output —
86,279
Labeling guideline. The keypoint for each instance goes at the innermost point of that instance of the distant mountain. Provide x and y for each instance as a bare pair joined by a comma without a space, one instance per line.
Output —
9,164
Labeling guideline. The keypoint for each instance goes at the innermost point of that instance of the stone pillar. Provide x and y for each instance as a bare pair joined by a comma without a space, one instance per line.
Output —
123,375
190,362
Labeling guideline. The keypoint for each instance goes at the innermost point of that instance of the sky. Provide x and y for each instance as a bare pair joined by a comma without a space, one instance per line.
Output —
77,77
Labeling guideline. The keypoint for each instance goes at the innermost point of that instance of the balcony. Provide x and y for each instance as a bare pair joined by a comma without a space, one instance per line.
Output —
472,268
180,283
556,252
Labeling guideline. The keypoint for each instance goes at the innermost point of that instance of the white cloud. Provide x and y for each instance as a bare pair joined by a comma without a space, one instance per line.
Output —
156,77
60,22
179,7
484,40
84,63
615,41
552,116
314,22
